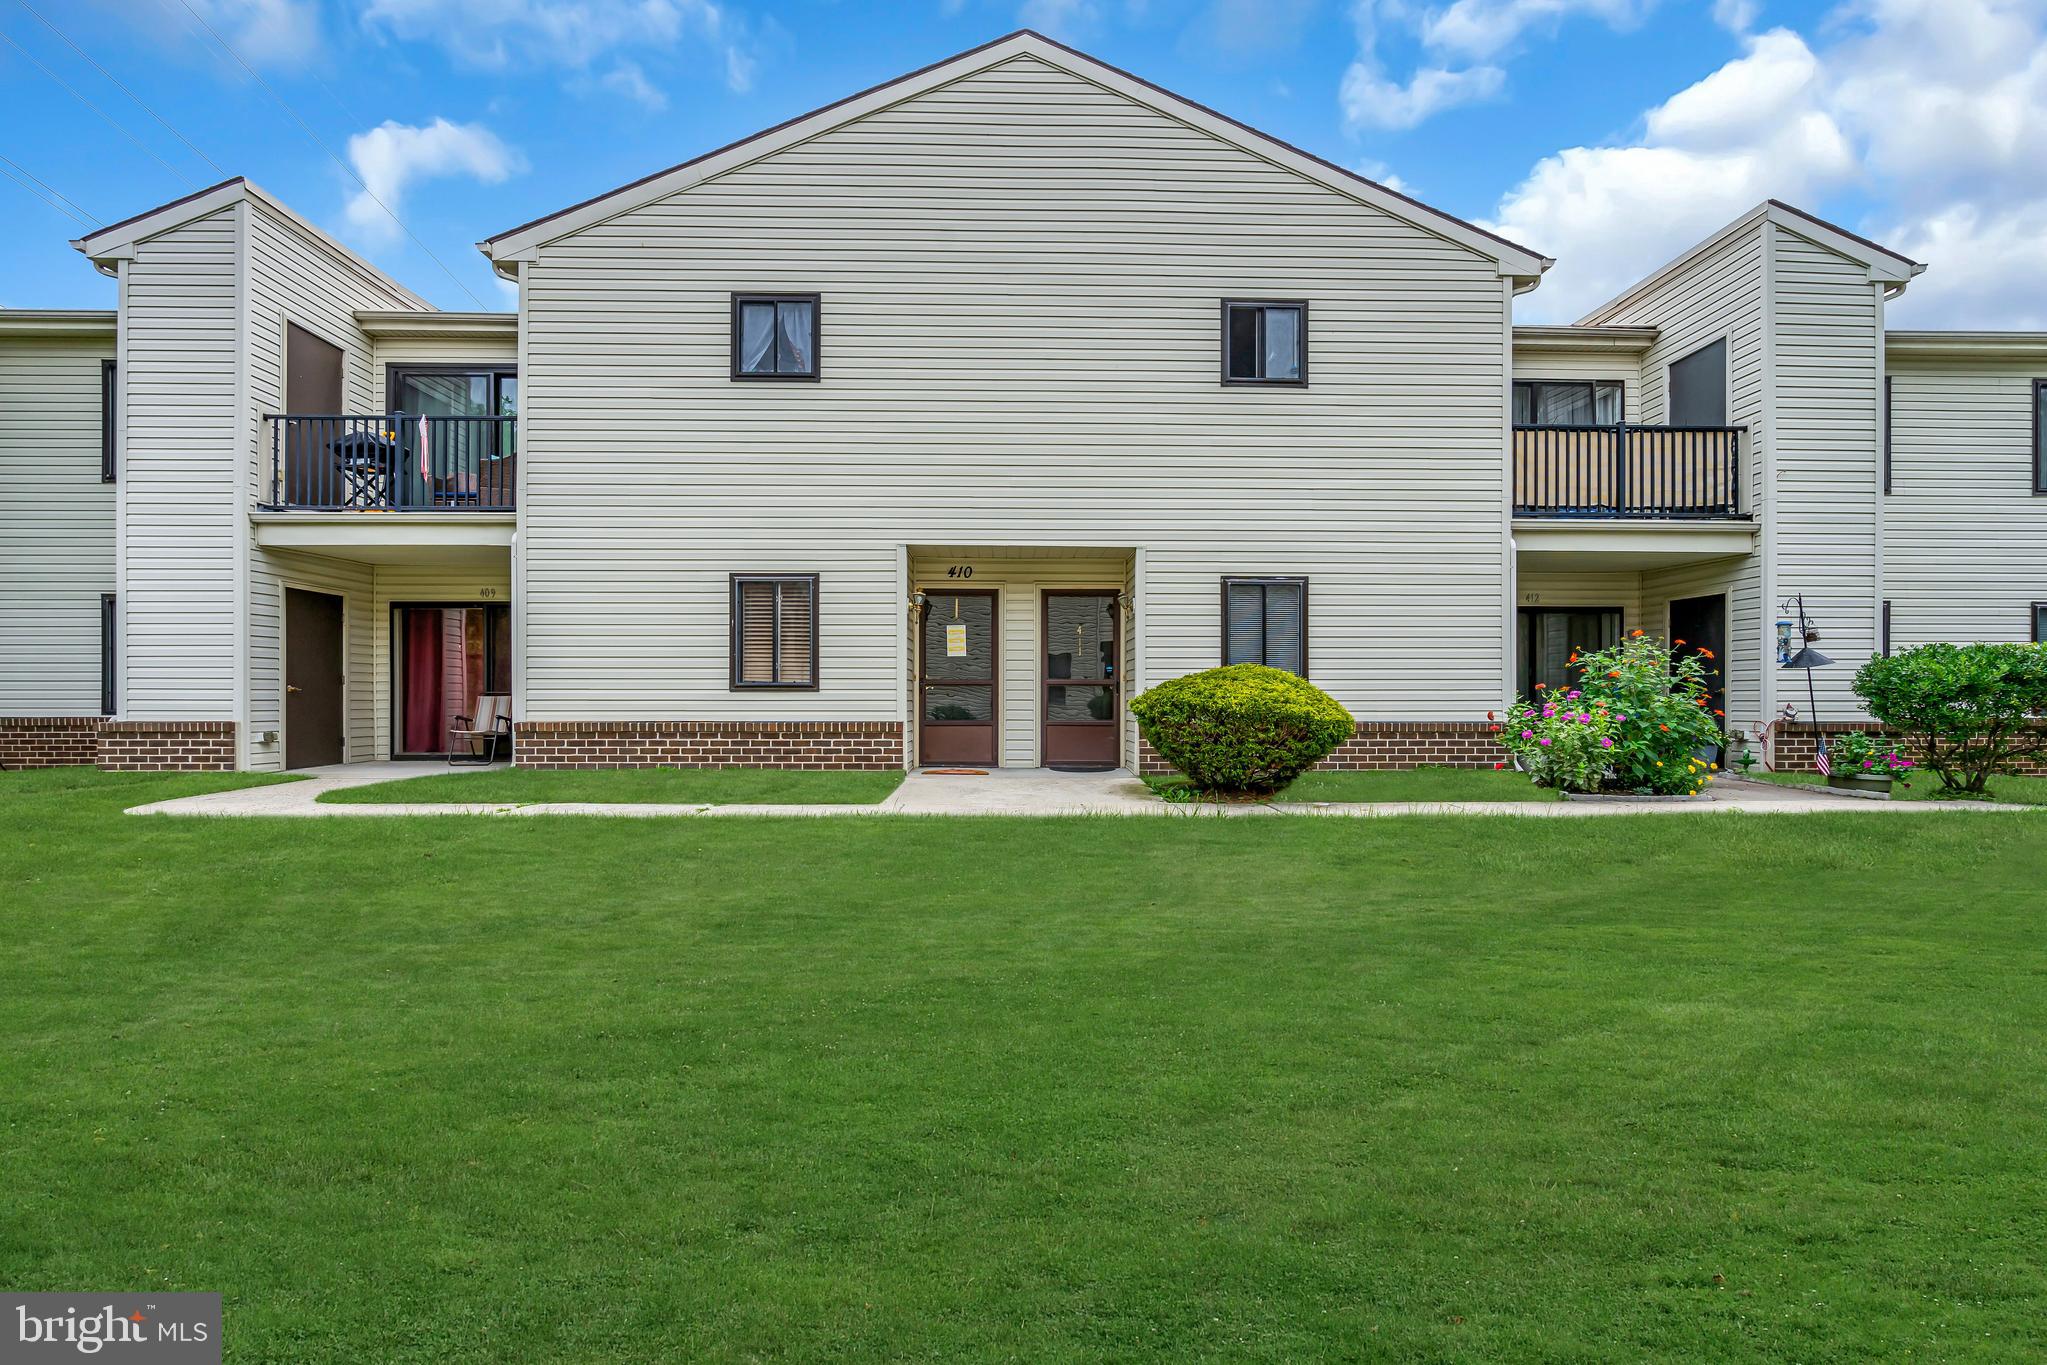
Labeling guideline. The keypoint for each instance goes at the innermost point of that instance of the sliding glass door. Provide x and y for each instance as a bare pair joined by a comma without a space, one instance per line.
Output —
447,658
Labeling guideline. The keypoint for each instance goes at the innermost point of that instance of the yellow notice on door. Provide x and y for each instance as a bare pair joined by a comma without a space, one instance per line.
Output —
956,640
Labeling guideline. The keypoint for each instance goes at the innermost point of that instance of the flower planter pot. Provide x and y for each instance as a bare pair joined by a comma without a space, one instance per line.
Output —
1863,784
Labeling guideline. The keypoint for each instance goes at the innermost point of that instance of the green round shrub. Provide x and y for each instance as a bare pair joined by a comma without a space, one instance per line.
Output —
1242,729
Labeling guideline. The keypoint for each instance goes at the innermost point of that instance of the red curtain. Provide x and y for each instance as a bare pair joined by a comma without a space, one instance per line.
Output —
426,725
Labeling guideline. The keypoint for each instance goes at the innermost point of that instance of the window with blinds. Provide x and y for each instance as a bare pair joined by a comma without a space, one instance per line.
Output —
1265,621
774,630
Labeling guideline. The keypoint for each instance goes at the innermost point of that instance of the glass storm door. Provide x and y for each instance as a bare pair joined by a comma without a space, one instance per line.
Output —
1080,682
956,688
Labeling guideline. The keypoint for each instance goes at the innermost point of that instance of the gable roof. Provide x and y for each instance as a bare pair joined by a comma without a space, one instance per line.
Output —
511,245
1884,265
116,241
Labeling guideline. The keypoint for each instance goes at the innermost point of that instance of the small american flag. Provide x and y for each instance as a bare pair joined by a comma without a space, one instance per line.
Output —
1822,762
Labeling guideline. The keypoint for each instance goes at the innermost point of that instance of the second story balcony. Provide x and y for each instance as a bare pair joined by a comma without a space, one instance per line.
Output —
1622,471
390,462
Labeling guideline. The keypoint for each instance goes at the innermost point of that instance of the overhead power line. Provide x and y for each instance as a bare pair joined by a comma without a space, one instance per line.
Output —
37,16
332,155
111,120
52,194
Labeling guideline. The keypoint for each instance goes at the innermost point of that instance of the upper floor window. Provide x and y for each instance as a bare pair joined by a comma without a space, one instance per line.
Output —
2040,435
774,630
775,336
1265,341
1265,621
1698,387
1567,402
2040,623
109,465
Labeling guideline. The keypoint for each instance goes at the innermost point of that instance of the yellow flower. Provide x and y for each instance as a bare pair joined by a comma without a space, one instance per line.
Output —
1659,762
1714,766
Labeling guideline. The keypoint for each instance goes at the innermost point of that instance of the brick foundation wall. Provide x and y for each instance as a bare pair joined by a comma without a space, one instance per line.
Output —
871,744
144,746
1794,748
1392,744
49,741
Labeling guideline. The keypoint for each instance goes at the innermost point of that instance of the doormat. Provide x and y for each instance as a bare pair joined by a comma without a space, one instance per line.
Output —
955,772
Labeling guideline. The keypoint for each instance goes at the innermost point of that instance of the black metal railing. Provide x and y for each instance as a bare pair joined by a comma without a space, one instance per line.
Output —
392,462
1627,471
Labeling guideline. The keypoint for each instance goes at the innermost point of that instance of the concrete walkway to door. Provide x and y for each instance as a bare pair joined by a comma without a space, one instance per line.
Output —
1009,791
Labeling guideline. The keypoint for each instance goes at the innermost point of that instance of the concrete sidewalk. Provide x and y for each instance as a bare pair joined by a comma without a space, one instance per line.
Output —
1031,792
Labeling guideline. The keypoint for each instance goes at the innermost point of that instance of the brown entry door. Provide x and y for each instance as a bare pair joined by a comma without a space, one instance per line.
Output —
1081,671
956,687
312,678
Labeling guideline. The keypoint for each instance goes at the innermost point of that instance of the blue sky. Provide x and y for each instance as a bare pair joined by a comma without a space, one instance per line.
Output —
1608,133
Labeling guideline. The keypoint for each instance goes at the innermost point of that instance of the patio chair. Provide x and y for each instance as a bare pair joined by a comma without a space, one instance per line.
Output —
475,739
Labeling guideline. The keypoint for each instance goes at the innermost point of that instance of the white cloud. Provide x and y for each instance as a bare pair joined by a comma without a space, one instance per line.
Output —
1933,109
265,31
509,34
1478,30
629,80
1370,98
392,157
1737,16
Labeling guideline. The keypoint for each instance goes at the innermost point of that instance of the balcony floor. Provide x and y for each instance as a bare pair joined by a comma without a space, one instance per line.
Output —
390,537
1564,544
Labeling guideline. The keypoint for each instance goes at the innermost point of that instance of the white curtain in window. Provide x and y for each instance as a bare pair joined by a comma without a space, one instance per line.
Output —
794,318
757,338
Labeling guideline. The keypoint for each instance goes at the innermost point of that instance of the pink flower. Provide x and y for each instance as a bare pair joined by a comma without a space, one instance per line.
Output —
1574,695
1606,744
1528,734
1543,740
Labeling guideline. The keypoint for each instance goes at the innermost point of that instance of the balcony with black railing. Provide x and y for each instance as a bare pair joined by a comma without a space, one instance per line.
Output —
1631,472
391,462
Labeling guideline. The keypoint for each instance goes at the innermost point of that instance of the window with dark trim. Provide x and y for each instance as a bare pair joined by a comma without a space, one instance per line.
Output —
1887,438
1698,387
2040,623
1886,643
1549,638
109,467
1568,402
109,615
2040,435
1265,341
1265,621
775,336
774,630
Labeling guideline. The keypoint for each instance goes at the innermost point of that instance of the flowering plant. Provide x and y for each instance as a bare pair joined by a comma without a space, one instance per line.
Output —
1663,713
1859,754
1566,743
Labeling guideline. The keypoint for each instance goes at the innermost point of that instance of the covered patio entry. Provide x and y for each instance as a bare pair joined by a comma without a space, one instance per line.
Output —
1018,656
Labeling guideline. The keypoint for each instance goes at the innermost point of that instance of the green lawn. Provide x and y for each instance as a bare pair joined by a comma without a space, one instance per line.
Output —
2020,791
1414,784
1728,1088
635,786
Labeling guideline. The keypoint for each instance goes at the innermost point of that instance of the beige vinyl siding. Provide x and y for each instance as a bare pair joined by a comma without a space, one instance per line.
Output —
1021,277
1587,588
1537,362
1019,585
271,572
1829,375
458,350
181,485
1965,538
1718,293
56,525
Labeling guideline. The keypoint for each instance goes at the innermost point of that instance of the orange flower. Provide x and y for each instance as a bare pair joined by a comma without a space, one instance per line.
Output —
1718,712
1573,659
1638,635
1541,686
1677,642
1663,727
1706,654
1612,674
